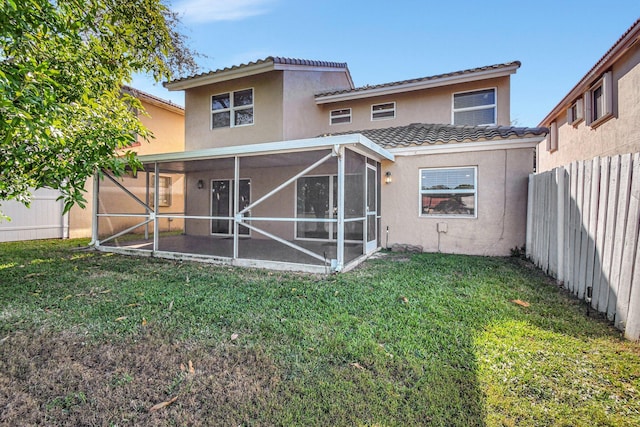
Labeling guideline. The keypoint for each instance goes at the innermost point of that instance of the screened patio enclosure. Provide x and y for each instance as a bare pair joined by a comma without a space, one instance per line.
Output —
305,205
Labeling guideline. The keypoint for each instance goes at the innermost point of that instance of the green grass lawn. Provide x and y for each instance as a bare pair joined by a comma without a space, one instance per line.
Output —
431,339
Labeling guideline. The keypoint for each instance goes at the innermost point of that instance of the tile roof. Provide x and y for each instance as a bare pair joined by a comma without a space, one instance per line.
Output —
424,79
418,134
141,94
273,59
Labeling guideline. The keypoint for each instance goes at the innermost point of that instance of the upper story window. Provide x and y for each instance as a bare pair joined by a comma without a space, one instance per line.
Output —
575,112
552,137
383,111
450,191
232,109
340,116
598,101
475,108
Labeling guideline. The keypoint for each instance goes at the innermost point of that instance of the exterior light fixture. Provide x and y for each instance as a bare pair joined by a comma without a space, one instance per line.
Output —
200,184
387,177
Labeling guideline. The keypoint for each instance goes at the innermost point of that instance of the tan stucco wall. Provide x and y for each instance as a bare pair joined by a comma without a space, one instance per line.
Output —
285,108
618,135
263,180
167,125
423,106
501,199
267,126
302,117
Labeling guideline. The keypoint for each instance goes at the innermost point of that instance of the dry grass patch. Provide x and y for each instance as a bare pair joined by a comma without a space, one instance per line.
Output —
64,379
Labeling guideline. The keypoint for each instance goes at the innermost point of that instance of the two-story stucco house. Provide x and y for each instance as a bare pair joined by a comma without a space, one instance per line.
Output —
600,116
288,165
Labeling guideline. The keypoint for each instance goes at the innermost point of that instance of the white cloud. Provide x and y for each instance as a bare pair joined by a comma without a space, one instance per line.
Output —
202,11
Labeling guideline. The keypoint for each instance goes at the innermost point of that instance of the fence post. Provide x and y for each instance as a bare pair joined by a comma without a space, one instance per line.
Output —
559,182
528,244
630,245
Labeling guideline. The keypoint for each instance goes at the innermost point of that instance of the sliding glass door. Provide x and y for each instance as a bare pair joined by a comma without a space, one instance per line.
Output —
316,199
222,201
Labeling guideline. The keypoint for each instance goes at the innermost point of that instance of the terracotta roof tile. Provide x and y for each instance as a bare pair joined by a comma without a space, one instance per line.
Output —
418,134
423,79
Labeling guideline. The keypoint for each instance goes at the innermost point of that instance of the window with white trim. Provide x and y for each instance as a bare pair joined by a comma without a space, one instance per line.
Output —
232,109
552,137
448,191
383,111
340,116
575,113
475,108
164,191
598,101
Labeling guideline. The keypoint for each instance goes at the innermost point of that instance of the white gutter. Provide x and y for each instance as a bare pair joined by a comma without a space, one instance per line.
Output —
461,147
272,148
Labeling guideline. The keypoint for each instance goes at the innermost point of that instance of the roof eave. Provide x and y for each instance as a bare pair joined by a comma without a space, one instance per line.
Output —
272,148
526,142
246,71
621,47
221,76
419,85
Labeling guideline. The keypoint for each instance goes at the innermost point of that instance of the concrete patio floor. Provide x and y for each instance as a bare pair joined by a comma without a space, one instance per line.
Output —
248,248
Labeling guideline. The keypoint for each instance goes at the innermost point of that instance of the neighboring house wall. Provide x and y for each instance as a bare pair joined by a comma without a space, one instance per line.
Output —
618,134
500,224
166,121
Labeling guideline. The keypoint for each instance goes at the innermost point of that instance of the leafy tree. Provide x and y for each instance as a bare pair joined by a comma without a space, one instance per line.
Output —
63,115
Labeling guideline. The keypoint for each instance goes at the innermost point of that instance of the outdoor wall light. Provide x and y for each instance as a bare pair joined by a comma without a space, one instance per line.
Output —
387,177
200,184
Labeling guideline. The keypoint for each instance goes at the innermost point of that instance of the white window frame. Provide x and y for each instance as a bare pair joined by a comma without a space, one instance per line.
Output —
384,111
552,137
164,190
494,106
340,116
232,109
606,83
575,112
474,191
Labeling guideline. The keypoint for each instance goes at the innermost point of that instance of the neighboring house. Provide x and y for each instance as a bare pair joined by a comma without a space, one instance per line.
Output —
600,116
44,219
288,165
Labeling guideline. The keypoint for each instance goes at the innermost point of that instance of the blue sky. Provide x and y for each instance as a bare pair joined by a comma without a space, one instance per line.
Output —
384,41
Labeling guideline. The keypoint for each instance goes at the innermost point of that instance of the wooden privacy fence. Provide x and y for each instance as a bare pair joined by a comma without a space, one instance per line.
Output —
583,229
